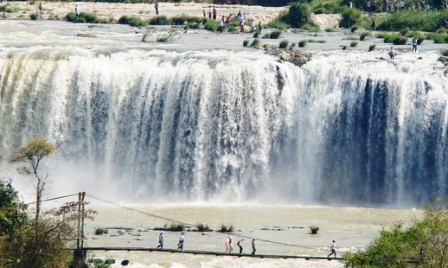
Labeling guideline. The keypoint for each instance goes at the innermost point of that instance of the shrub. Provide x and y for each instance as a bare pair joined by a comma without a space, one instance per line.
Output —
275,34
372,47
353,44
176,227
211,25
316,41
283,44
225,229
311,27
314,229
302,43
182,19
100,231
202,227
438,38
330,30
298,15
292,46
364,35
400,41
255,43
354,28
34,16
445,53
8,8
405,31
277,24
414,20
159,20
132,21
233,26
82,18
343,47
265,36
245,43
424,242
350,16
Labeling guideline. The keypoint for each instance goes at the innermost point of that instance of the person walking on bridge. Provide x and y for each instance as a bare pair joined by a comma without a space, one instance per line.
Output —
333,249
160,240
180,246
253,247
240,245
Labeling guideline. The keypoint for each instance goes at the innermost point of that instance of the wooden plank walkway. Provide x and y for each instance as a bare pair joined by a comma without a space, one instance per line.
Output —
199,252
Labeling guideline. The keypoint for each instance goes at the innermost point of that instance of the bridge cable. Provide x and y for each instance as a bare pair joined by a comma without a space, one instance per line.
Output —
189,224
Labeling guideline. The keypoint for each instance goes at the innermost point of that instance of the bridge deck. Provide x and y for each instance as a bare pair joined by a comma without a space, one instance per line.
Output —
199,252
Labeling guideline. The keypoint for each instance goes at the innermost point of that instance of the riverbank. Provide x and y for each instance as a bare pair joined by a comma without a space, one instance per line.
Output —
113,11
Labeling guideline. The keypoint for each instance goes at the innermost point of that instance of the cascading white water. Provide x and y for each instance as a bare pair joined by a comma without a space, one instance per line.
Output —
234,126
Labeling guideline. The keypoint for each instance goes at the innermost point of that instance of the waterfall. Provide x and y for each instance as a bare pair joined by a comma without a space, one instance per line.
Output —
344,128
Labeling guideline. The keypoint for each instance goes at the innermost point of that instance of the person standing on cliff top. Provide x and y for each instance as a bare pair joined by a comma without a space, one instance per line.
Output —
253,247
180,246
214,13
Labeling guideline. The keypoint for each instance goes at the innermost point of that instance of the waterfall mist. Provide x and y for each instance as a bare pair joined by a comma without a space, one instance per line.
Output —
231,126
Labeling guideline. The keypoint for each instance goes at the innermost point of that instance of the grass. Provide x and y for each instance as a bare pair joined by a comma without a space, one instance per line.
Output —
414,20
316,41
255,43
363,36
132,21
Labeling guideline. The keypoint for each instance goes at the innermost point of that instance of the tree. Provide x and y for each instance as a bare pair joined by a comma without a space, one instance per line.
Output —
423,244
298,15
35,151
12,212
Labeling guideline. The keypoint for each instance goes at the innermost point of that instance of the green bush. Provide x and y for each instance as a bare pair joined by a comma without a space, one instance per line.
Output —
400,41
302,43
390,38
211,25
353,44
311,27
445,53
316,41
405,31
176,227
354,28
256,34
424,242
363,36
372,47
330,30
350,16
292,46
283,44
255,43
298,15
202,227
132,21
275,34
414,20
245,43
160,20
225,229
34,16
277,24
438,38
232,26
82,18
182,19
8,8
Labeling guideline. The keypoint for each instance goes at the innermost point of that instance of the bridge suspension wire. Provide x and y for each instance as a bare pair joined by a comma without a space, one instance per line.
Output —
190,224
54,198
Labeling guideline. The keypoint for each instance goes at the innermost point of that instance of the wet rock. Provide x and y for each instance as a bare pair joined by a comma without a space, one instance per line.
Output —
443,59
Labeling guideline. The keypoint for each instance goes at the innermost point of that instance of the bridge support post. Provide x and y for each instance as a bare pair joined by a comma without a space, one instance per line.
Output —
79,258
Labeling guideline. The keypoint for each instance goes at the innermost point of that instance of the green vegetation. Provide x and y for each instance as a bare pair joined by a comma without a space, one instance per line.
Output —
445,53
99,263
326,6
8,8
350,16
297,16
160,20
302,43
83,18
211,25
314,229
275,34
316,41
424,243
414,20
232,26
363,36
283,44
226,229
202,227
132,21
354,28
176,227
255,43
245,43
353,44
372,47
438,38
34,16
182,19
277,24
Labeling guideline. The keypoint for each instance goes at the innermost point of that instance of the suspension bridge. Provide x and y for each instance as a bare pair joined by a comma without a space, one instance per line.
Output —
82,247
